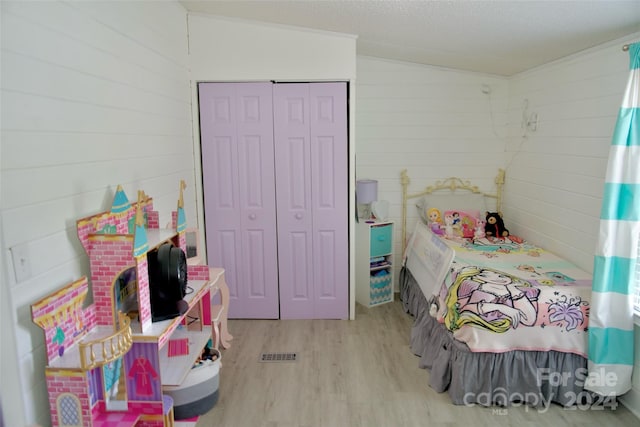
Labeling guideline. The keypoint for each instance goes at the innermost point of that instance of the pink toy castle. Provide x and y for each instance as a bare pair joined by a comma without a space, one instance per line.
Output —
107,363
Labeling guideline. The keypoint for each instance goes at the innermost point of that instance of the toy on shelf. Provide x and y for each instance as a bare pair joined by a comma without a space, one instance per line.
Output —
110,363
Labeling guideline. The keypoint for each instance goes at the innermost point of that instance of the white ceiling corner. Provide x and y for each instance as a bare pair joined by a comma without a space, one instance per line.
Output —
497,37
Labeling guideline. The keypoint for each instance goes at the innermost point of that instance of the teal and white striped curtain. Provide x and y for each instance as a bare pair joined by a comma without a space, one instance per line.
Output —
614,274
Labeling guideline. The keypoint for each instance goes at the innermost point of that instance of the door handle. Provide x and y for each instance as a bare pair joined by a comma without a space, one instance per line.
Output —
252,216
298,215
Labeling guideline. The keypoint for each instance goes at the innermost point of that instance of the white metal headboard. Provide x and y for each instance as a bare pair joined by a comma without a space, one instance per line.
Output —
450,184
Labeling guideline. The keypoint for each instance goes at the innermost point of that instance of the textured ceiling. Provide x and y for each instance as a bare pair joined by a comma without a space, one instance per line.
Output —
497,37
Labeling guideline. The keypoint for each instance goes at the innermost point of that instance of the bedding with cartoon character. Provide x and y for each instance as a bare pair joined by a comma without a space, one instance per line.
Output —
494,314
502,295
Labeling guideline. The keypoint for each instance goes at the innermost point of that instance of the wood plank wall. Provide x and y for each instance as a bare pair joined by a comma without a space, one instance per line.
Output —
94,94
435,122
438,123
556,172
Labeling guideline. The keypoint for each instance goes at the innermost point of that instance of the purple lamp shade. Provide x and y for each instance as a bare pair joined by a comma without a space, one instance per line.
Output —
366,191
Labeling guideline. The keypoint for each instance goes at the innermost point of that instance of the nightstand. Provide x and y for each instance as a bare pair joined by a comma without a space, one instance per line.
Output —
374,263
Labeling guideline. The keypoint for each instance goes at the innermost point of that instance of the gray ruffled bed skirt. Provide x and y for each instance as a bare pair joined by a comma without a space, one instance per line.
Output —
534,378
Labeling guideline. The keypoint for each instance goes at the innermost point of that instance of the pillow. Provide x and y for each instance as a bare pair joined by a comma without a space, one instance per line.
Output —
460,201
464,222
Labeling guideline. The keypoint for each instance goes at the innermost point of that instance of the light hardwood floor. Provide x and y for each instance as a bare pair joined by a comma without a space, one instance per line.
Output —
351,374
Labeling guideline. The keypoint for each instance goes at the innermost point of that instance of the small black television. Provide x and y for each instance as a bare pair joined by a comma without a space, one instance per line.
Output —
167,267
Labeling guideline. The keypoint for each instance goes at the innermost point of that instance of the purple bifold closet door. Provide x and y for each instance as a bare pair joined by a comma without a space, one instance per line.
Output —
236,126
310,136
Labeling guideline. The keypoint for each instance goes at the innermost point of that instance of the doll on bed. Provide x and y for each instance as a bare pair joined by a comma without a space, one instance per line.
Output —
478,231
435,221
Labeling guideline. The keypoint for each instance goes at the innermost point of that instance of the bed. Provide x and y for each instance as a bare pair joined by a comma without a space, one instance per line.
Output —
498,321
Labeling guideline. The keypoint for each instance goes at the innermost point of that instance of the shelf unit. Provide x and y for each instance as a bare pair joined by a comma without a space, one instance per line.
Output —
173,369
374,262
108,363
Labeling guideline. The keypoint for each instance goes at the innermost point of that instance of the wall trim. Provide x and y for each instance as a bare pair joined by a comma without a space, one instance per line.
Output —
631,401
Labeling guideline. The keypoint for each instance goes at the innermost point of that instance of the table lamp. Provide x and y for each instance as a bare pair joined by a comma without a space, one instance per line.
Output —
366,193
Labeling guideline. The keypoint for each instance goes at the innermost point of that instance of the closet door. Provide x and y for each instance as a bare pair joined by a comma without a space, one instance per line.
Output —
310,128
236,125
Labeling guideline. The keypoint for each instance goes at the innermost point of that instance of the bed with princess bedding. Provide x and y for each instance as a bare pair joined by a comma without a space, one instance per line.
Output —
498,320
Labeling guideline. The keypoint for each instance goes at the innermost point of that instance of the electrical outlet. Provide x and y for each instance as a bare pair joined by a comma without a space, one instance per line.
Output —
21,263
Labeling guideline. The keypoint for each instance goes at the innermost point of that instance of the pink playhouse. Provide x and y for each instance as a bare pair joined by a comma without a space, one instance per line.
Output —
134,356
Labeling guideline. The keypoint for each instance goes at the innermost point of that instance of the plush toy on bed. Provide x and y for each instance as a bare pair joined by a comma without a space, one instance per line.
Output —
435,221
494,227
478,231
448,225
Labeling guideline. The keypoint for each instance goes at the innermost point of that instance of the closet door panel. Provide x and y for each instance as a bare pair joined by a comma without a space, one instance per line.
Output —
297,269
287,140
238,184
311,173
220,180
256,275
258,206
293,196
329,154
228,252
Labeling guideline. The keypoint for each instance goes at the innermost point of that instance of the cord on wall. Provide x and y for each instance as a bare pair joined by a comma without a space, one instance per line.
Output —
529,121
486,89
528,124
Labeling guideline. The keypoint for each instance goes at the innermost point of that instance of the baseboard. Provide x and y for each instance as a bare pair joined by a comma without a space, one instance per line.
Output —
631,401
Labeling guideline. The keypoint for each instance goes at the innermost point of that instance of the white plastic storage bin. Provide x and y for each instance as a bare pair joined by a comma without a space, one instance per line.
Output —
199,391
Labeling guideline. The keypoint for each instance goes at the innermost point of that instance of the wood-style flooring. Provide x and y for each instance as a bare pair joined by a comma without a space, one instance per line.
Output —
351,374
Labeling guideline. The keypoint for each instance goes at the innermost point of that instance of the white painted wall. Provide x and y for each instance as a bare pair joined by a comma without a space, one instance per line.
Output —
434,122
227,49
555,174
438,123
223,49
98,94
94,94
